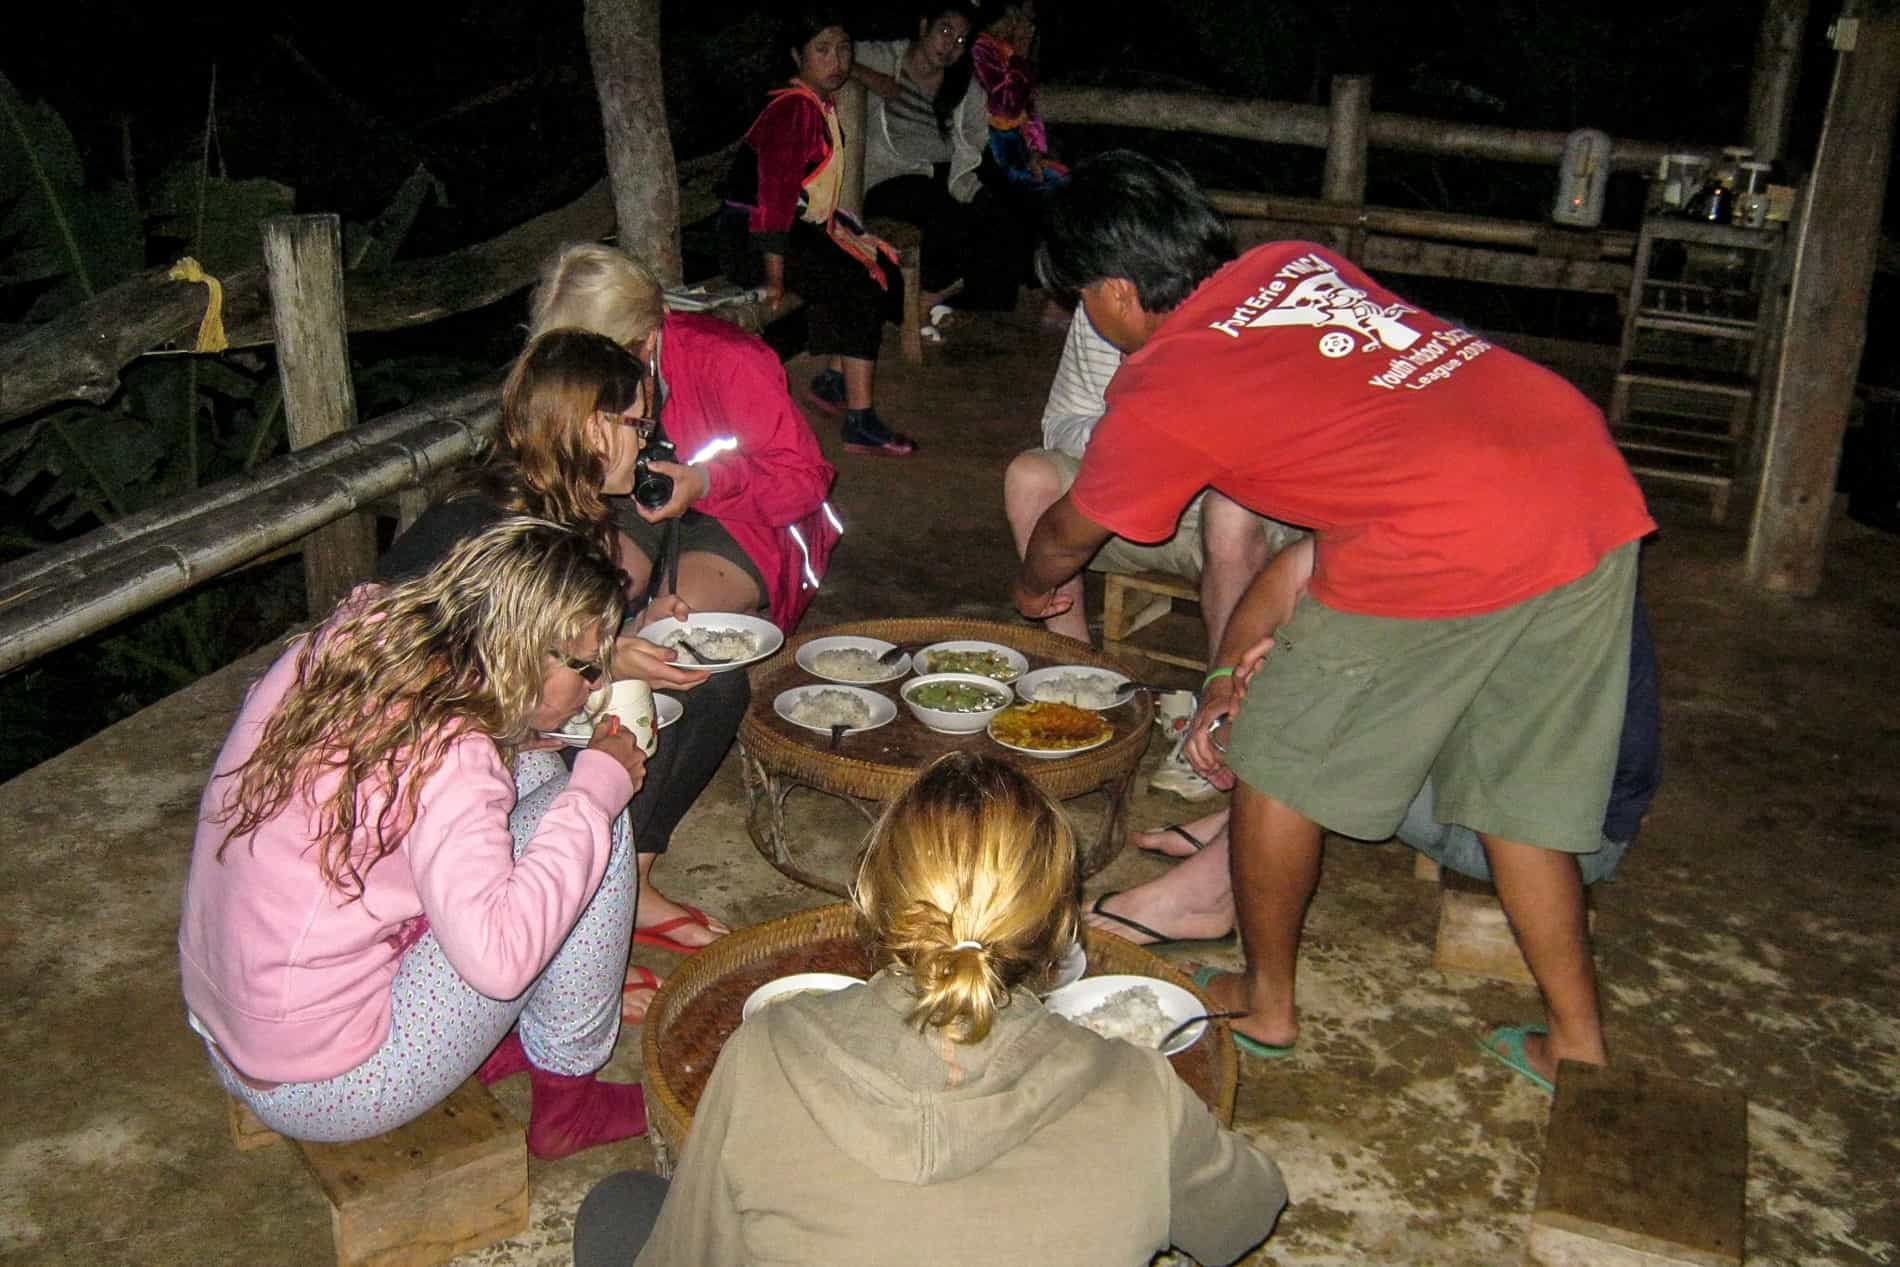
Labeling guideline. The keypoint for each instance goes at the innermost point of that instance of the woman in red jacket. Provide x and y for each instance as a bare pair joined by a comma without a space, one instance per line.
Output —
783,227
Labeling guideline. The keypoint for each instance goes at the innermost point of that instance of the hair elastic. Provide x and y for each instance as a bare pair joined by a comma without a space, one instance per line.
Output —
968,945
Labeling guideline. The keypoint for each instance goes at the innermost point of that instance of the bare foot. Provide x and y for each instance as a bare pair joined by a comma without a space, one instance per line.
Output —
1156,908
1229,992
655,909
637,995
1182,840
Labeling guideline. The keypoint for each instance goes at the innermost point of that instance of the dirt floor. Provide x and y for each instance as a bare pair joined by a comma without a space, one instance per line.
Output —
1747,943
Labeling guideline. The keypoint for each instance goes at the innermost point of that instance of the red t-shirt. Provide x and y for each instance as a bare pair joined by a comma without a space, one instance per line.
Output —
1442,476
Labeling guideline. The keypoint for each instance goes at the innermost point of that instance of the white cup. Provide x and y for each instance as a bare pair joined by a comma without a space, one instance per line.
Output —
631,700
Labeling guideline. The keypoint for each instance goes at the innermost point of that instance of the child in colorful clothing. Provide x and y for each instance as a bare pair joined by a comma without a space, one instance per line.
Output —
1019,143
784,191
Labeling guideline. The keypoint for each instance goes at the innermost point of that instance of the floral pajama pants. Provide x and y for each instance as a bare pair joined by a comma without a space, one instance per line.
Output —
441,1029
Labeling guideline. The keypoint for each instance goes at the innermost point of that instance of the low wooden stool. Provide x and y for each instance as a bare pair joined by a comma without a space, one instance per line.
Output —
453,1180
1133,601
1474,937
1640,1170
908,241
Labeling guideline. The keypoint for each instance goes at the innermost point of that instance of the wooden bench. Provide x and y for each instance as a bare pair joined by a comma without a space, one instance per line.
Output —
1640,1170
453,1180
1474,937
908,242
1133,601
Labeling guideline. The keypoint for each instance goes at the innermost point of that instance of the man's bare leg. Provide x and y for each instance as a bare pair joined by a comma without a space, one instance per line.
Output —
1542,894
1030,486
1233,550
1192,901
1275,854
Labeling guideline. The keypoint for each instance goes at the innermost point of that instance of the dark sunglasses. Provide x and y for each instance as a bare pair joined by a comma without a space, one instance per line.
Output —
590,670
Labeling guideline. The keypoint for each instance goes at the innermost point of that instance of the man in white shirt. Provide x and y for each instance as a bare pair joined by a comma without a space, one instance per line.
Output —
1217,542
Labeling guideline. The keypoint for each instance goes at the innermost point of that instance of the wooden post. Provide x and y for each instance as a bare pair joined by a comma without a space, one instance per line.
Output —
623,45
1825,323
1345,177
1777,70
303,260
850,107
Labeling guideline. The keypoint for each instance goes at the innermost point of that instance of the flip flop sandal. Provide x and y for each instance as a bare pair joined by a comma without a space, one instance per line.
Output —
1252,1046
1505,1044
639,978
1195,842
1155,936
656,934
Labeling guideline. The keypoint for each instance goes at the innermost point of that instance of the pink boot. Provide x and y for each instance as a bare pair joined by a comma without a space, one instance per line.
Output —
507,1060
568,1114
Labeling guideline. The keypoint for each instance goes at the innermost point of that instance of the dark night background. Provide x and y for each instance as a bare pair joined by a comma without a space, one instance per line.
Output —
342,102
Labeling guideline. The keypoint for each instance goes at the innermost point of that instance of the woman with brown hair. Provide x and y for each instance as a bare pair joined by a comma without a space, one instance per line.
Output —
940,1114
573,418
386,879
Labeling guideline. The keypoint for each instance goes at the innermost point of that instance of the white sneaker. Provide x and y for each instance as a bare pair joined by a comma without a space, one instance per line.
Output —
1177,776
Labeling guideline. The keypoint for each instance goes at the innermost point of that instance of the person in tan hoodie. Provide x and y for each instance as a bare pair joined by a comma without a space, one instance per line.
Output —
940,1114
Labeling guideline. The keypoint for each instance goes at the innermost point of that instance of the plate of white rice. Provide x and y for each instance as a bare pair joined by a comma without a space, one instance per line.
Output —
736,640
1136,1009
1082,685
820,708
843,658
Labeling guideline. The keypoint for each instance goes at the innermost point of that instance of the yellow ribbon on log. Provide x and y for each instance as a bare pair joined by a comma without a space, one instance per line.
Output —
211,336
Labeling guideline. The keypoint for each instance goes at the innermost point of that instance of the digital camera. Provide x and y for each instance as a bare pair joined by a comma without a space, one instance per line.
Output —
653,489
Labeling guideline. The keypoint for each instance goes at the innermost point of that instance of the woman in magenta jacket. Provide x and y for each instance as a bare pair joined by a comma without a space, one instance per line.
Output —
385,880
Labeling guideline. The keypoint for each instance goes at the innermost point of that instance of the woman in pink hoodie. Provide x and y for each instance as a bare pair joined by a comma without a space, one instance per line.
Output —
386,878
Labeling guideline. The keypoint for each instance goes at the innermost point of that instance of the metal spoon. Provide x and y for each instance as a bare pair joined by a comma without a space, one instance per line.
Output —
837,733
890,658
1126,691
1174,1033
703,656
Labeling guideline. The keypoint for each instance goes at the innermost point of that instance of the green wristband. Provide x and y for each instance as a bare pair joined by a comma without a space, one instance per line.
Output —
1226,670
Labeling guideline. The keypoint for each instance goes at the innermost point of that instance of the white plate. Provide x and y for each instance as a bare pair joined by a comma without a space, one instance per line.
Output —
769,637
1086,995
920,659
883,710
1026,684
1046,754
808,655
1070,967
797,983
579,733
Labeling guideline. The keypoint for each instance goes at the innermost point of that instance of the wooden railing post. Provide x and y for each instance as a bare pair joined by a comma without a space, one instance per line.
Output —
1824,326
303,258
1771,87
1347,122
850,107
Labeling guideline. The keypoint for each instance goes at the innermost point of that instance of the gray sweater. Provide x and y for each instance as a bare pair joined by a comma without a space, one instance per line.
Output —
834,1132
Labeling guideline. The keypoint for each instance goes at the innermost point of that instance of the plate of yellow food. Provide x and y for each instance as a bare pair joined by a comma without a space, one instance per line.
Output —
1048,729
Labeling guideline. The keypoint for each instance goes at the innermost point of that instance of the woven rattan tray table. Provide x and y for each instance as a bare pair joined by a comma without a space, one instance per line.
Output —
698,1009
872,767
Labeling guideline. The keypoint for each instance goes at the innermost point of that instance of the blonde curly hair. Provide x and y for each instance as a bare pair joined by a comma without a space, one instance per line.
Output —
391,680
970,887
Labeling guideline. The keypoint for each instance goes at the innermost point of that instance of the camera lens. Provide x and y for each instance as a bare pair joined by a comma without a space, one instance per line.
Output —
651,488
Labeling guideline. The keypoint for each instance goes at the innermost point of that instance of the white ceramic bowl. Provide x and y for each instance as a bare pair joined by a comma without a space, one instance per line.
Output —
766,634
1073,1001
949,723
883,711
808,657
1109,679
797,983
920,658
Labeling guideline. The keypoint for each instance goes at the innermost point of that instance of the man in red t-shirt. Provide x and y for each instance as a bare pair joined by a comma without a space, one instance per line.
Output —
1468,615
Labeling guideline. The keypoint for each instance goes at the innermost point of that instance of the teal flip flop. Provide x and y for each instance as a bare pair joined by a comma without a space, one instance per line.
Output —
1505,1044
1252,1046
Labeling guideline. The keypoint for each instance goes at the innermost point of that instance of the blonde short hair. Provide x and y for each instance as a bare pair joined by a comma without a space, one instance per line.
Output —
594,287
972,852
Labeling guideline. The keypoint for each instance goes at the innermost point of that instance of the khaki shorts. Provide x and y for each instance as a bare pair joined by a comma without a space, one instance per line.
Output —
1179,555
1515,714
